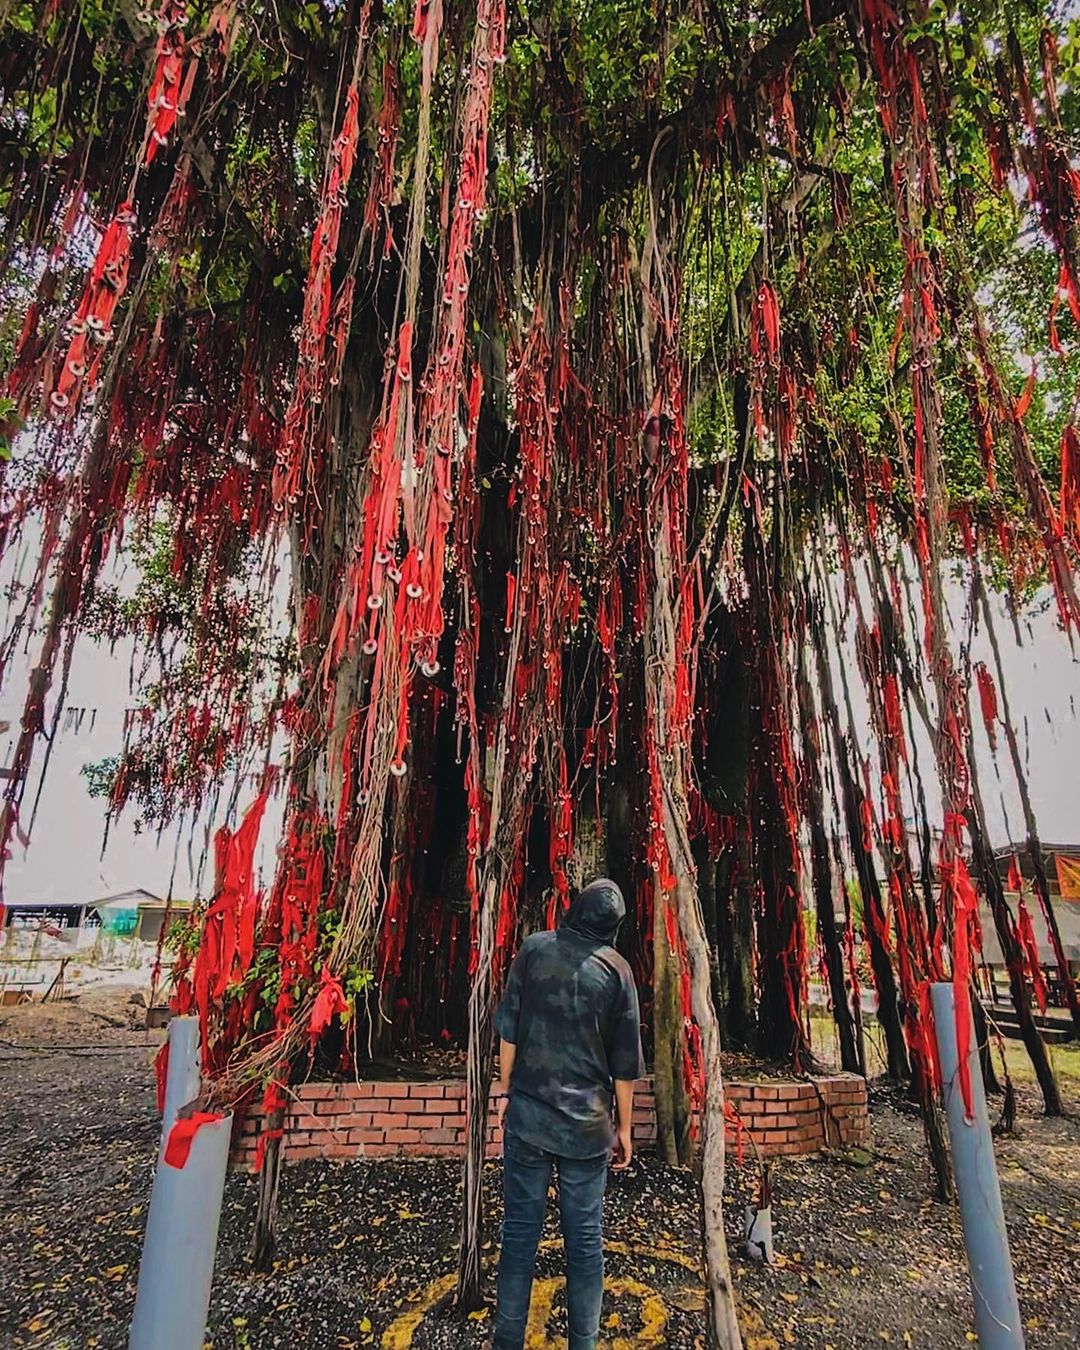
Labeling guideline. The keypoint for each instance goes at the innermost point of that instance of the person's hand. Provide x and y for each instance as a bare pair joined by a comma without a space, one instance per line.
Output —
623,1150
504,1102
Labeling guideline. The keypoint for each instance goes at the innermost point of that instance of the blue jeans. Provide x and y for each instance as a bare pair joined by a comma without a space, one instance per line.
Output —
526,1178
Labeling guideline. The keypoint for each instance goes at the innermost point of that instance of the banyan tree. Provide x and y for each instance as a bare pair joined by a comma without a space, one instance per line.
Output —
518,415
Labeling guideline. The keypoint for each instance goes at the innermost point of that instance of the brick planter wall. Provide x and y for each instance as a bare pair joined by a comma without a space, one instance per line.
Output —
348,1121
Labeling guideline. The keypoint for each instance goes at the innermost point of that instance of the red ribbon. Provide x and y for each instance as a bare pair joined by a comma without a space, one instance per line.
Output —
182,1136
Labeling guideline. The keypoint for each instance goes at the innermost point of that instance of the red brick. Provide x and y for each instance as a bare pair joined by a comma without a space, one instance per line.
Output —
323,1137
403,1136
314,1092
395,1089
390,1120
441,1136
355,1120
427,1091
366,1137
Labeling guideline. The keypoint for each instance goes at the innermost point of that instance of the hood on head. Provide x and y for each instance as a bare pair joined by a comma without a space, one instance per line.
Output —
597,911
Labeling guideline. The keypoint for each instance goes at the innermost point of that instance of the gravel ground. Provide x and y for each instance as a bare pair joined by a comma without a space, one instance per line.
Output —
367,1251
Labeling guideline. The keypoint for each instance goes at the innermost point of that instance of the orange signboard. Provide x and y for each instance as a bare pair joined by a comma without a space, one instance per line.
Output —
1068,870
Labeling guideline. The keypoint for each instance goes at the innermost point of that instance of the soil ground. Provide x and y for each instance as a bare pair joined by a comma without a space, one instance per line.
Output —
367,1250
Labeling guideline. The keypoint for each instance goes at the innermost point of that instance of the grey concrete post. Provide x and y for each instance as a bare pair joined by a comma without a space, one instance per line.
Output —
993,1289
177,1265
183,1079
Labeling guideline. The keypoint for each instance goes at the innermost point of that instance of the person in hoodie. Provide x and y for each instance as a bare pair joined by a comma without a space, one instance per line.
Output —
570,1053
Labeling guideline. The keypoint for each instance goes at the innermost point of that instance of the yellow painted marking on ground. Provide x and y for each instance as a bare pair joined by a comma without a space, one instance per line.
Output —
399,1335
663,1254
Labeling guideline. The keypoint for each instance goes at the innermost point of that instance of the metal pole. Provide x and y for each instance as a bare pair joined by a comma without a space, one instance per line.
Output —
177,1266
993,1289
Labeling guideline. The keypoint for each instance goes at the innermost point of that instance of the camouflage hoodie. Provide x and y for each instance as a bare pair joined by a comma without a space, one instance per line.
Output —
571,1009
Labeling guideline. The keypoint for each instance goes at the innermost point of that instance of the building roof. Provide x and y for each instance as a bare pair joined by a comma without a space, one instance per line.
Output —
126,900
137,899
45,904
1007,850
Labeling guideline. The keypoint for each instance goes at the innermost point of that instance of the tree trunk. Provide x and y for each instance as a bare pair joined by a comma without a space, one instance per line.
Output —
735,945
1012,955
705,866
724,701
723,1324
888,1013
263,1237
673,1137
936,1145
774,811
477,1095
849,956
884,978
822,875
982,1040
781,1035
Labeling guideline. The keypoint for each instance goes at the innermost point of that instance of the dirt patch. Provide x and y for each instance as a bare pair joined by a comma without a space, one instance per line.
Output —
367,1250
